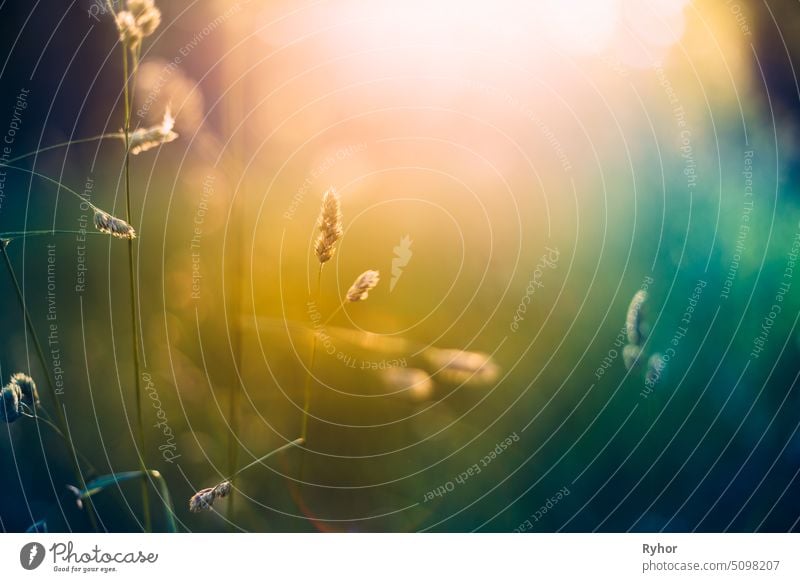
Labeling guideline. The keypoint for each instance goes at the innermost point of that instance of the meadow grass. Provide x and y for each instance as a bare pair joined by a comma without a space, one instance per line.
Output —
136,21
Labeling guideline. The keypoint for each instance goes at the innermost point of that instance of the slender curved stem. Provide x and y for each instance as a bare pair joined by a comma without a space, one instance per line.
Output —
52,181
307,388
309,372
62,144
9,236
62,420
258,461
332,315
234,103
296,442
233,445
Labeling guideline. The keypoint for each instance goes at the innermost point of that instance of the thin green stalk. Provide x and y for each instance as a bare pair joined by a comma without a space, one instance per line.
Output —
234,103
233,446
134,307
50,386
235,387
307,389
309,372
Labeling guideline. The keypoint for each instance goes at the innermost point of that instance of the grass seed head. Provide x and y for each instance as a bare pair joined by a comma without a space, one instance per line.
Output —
463,367
631,355
330,226
655,370
203,500
144,139
11,398
139,20
148,17
223,489
27,388
413,383
129,32
112,225
365,283
633,319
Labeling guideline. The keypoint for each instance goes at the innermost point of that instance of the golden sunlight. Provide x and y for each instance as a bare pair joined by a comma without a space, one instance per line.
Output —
470,30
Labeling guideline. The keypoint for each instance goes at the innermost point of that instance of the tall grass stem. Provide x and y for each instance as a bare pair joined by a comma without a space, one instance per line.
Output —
309,372
148,525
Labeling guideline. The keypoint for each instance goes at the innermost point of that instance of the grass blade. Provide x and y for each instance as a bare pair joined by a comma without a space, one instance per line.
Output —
99,484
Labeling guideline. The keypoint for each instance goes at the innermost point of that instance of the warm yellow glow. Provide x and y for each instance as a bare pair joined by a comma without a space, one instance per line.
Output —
579,26
452,31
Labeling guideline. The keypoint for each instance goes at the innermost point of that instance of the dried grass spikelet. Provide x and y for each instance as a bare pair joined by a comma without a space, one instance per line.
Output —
27,388
204,499
413,383
365,283
633,319
148,17
330,226
139,20
144,139
223,489
631,356
655,370
129,33
112,225
10,398
463,367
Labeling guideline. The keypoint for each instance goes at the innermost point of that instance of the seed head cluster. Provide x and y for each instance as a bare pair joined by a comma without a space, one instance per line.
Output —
204,499
329,224
365,283
112,225
139,20
19,395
